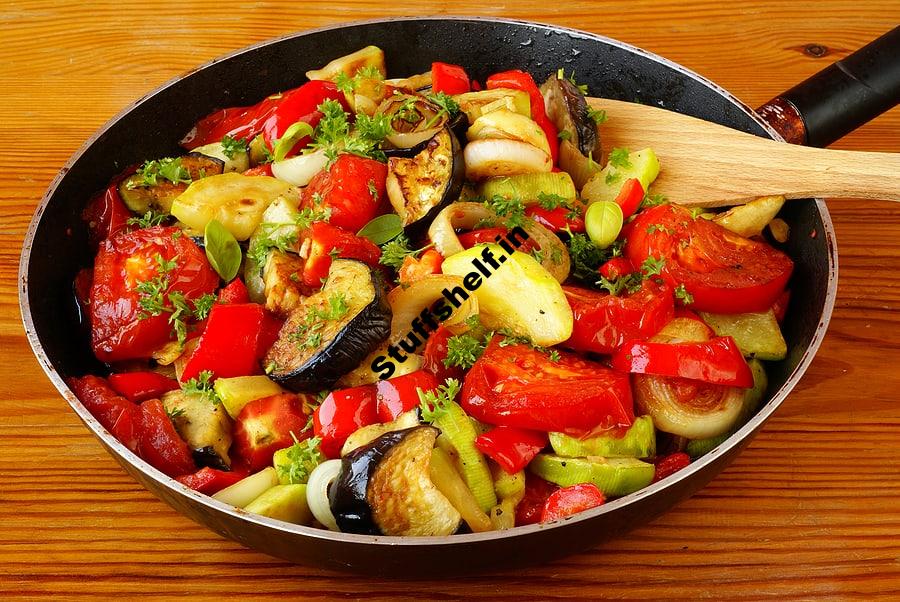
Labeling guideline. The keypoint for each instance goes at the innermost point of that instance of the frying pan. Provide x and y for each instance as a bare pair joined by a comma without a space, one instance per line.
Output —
56,246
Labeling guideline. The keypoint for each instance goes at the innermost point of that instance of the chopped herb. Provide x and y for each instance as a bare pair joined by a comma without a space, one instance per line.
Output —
303,457
148,220
652,266
598,116
344,82
463,350
174,413
167,168
681,294
586,257
307,216
538,255
511,338
618,157
556,254
269,236
369,72
203,305
434,404
333,135
552,201
446,104
696,212
394,252
564,135
512,209
554,356
308,334
233,146
561,74
612,177
651,200
201,386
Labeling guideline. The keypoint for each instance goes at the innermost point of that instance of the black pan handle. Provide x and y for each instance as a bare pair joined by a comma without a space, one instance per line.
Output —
841,97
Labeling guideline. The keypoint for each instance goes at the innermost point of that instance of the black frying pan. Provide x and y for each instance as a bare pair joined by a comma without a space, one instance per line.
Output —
816,112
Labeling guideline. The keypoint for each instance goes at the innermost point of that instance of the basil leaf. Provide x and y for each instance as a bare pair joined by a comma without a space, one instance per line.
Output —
291,137
382,229
222,250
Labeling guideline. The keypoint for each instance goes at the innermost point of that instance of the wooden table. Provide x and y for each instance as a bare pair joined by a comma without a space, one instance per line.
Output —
811,509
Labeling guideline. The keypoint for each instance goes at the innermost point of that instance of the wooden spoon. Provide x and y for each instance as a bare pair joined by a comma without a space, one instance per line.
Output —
704,164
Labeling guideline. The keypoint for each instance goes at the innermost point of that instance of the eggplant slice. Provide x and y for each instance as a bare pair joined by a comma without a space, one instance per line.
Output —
420,186
317,344
140,197
385,488
569,111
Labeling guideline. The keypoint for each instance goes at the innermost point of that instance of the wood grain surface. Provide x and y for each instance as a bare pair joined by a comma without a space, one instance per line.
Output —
809,511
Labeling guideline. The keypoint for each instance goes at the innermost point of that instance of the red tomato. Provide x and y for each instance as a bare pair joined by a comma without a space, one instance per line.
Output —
159,444
557,219
603,322
436,352
106,215
630,197
266,425
353,189
400,394
717,361
520,386
341,414
571,500
723,272
615,268
141,386
510,447
670,465
230,343
210,481
489,235
325,242
537,491
260,170
118,331
114,412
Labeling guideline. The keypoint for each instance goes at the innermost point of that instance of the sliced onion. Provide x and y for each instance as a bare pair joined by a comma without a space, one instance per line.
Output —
320,480
500,157
467,215
407,303
713,409
574,163
300,170
411,139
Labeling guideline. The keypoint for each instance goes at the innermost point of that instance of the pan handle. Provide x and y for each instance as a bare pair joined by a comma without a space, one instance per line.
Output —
841,97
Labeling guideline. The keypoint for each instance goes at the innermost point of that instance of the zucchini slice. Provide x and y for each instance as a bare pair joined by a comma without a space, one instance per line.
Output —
419,187
204,425
332,331
141,197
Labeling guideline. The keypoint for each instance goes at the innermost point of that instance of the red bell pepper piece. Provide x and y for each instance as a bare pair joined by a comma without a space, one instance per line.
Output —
670,465
210,481
106,214
114,412
519,80
520,386
616,268
341,414
397,395
266,425
234,292
141,386
436,352
449,79
717,361
272,116
630,197
260,170
269,334
229,345
604,322
512,448
537,491
414,269
328,242
557,219
159,443
571,500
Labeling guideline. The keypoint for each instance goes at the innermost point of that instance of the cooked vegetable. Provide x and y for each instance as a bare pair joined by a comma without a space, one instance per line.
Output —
603,222
300,169
283,286
501,157
317,491
508,125
203,424
606,184
568,110
367,434
750,219
510,489
267,425
639,441
351,64
520,293
419,187
571,500
222,250
386,488
236,392
296,463
414,120
529,188
579,167
158,183
342,413
237,201
333,330
249,488
476,104
448,481
283,502
612,476
510,447
234,157
756,334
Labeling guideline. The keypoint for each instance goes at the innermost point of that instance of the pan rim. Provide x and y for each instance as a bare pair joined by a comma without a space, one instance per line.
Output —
122,453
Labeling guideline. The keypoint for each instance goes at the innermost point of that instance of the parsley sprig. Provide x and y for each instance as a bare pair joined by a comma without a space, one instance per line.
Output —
433,404
632,282
334,136
303,457
395,251
202,385
308,334
167,168
232,146
148,220
512,209
156,299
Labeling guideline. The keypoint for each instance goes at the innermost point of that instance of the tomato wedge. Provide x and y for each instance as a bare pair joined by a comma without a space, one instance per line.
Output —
723,272
119,331
603,322
352,189
520,386
571,500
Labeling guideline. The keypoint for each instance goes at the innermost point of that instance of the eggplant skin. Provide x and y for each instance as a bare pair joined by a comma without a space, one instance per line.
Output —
419,187
568,109
359,335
